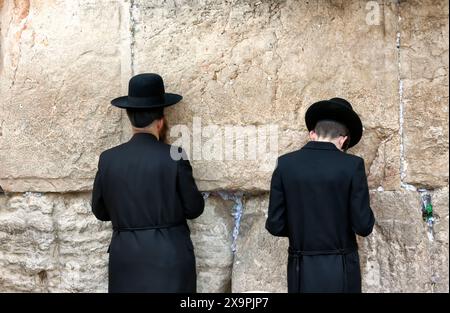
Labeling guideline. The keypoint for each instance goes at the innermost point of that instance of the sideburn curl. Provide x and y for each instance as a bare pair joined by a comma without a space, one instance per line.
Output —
164,130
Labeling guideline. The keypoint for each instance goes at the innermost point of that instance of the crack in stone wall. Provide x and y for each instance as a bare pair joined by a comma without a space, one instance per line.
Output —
236,211
403,163
133,24
238,208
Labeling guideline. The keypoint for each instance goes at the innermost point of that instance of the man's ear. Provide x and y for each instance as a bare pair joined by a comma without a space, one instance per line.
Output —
160,124
343,142
312,135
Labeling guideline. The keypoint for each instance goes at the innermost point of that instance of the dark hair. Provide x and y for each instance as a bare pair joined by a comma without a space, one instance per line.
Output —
330,129
143,118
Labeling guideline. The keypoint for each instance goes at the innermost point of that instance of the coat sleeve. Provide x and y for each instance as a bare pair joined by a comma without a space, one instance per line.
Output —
276,222
361,214
97,203
191,198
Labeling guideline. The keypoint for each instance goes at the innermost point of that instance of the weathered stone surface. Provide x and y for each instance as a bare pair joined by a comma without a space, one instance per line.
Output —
424,72
261,259
439,253
396,257
246,63
51,243
381,153
82,244
211,234
60,65
261,62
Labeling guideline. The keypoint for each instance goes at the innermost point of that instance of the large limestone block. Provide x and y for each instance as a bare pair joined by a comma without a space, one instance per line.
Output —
211,234
439,248
51,243
381,153
60,65
27,243
82,243
253,63
261,259
397,257
424,72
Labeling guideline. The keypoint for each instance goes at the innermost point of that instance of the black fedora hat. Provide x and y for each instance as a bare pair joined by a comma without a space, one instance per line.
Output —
336,109
146,91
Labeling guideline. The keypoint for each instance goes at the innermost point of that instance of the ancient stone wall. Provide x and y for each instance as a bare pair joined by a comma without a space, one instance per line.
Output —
242,63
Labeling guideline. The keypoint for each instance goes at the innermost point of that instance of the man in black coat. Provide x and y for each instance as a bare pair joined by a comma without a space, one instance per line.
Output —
147,195
319,198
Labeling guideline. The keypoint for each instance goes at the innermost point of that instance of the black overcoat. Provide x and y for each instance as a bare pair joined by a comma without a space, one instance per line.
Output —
147,196
319,198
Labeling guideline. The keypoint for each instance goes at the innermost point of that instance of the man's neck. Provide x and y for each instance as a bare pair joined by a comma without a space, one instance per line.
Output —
329,140
149,130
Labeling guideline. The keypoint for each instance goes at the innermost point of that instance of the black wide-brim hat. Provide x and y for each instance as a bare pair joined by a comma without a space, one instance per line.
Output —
146,91
339,110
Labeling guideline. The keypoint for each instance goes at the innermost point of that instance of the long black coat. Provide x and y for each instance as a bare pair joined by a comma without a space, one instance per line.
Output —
148,197
319,199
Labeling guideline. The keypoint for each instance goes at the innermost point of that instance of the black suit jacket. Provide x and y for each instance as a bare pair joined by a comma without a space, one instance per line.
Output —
319,198
147,196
